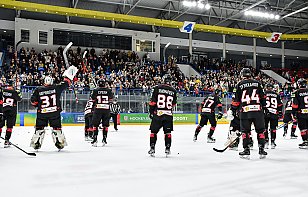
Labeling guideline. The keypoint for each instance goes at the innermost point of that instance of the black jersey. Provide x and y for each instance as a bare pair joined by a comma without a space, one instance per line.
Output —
273,102
47,99
249,98
163,99
209,104
101,97
300,103
10,99
88,110
288,107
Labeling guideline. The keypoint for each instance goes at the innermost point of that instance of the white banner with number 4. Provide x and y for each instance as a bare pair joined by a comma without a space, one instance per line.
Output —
274,37
188,27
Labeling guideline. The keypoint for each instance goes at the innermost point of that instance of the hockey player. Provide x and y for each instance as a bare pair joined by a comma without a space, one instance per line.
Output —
114,111
10,98
274,109
47,100
88,116
163,99
250,101
300,110
208,106
102,97
287,118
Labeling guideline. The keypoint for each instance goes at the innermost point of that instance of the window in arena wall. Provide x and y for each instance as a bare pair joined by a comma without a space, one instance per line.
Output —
85,39
25,35
43,36
145,46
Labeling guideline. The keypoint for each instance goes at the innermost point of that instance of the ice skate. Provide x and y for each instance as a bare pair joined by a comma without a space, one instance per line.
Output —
104,141
293,136
59,145
245,154
7,144
94,142
195,138
167,151
303,145
262,153
210,139
273,145
250,145
151,152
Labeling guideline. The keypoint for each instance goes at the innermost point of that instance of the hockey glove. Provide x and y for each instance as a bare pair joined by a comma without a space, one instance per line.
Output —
219,116
295,116
151,116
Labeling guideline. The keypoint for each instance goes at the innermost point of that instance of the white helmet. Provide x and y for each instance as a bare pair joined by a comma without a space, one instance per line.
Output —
48,80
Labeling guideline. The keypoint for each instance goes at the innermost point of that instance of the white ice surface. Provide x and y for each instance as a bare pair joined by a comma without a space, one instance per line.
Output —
123,167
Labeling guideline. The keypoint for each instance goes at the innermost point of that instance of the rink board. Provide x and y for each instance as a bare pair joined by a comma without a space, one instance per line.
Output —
72,119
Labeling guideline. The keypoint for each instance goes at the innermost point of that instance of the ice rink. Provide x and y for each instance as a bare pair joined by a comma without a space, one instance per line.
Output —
123,167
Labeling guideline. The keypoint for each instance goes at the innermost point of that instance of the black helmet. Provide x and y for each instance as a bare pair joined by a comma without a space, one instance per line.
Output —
302,83
101,83
269,86
245,72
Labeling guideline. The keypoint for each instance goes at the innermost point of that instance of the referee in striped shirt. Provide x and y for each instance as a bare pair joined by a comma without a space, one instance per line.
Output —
114,110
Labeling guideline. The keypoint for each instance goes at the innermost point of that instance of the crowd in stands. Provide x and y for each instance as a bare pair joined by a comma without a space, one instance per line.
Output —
125,71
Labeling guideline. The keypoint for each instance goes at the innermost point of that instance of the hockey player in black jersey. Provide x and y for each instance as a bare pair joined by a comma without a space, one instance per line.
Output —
300,110
274,111
289,117
88,116
208,106
250,101
163,99
10,98
46,99
102,97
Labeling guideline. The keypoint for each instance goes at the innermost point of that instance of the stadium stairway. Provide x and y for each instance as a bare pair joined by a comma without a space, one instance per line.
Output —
275,76
188,70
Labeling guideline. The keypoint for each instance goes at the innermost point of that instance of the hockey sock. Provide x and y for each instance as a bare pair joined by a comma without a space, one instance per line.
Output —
8,133
168,140
304,134
86,132
246,140
261,139
198,129
273,134
285,127
153,138
266,135
105,131
212,129
293,128
0,131
95,131
90,132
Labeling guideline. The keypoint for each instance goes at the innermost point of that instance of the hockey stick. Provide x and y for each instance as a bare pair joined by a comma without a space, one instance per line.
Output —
31,154
85,63
227,146
67,65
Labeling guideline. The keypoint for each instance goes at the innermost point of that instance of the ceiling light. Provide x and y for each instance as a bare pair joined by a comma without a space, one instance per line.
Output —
297,57
261,14
4,31
271,55
207,6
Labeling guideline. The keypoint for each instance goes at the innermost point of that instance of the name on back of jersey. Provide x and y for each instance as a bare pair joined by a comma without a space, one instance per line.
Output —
164,91
102,106
7,94
47,92
246,85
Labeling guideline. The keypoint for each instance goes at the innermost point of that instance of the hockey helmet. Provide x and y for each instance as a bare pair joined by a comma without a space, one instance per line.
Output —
48,80
245,72
269,86
101,83
302,83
